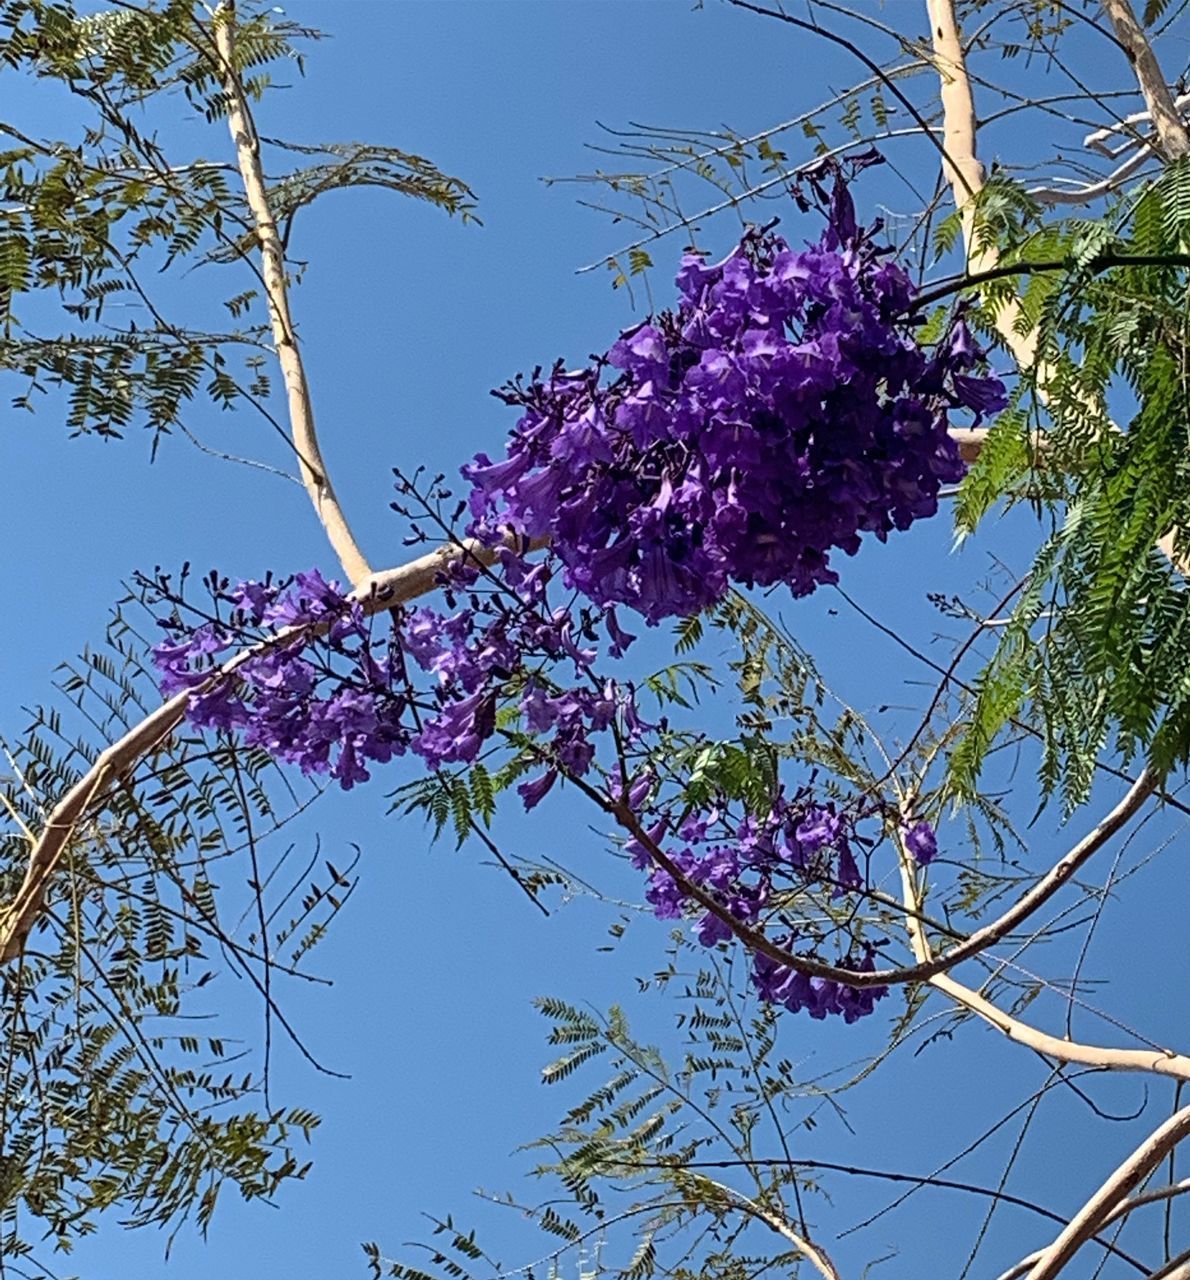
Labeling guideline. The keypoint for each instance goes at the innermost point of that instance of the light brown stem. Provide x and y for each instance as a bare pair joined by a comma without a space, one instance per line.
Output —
964,174
376,593
1164,1062
810,1251
1173,141
1122,1182
1121,1210
314,472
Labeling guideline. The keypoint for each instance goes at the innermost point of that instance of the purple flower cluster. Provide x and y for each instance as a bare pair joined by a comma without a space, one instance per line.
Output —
747,865
783,409
327,706
819,997
338,694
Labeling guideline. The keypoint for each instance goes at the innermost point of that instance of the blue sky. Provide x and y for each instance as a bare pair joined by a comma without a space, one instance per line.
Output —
407,320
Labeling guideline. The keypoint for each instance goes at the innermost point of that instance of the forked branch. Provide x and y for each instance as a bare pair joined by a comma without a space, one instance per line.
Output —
1162,1062
1139,1165
376,593
1172,138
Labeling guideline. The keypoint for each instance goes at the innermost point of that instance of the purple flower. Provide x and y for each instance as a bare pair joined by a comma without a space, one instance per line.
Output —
848,876
713,930
620,639
174,658
218,708
309,598
534,791
983,395
640,789
819,827
921,842
458,731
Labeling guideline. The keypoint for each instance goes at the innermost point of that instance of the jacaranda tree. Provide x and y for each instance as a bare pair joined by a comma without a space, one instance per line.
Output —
832,875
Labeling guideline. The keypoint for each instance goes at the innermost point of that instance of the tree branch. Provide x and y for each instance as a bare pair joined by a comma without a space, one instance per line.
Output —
1155,1196
1004,270
1164,1062
928,964
811,1252
1122,1182
1173,140
965,176
377,592
315,476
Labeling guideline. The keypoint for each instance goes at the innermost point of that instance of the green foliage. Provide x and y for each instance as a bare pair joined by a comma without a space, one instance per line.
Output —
626,1151
1096,654
88,224
111,1100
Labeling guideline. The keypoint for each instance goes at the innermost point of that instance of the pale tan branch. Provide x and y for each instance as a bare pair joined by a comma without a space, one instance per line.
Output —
810,1251
1122,1182
1059,874
1106,142
314,472
376,593
964,173
1164,1062
1172,139
1155,1196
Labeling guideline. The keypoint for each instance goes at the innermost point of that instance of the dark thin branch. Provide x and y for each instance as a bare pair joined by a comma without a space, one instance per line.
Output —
1102,262
885,1175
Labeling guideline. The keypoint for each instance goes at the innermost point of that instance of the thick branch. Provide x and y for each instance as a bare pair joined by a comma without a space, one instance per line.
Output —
1122,1210
1173,141
301,413
1122,1182
376,593
965,175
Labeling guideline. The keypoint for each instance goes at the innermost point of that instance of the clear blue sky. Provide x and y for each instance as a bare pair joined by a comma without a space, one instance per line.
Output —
407,320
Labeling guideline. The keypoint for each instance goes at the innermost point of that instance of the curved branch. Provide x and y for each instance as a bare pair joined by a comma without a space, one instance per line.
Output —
811,1252
376,593
919,1181
1122,1182
301,412
1163,1062
928,965
1154,1196
383,590
1093,191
